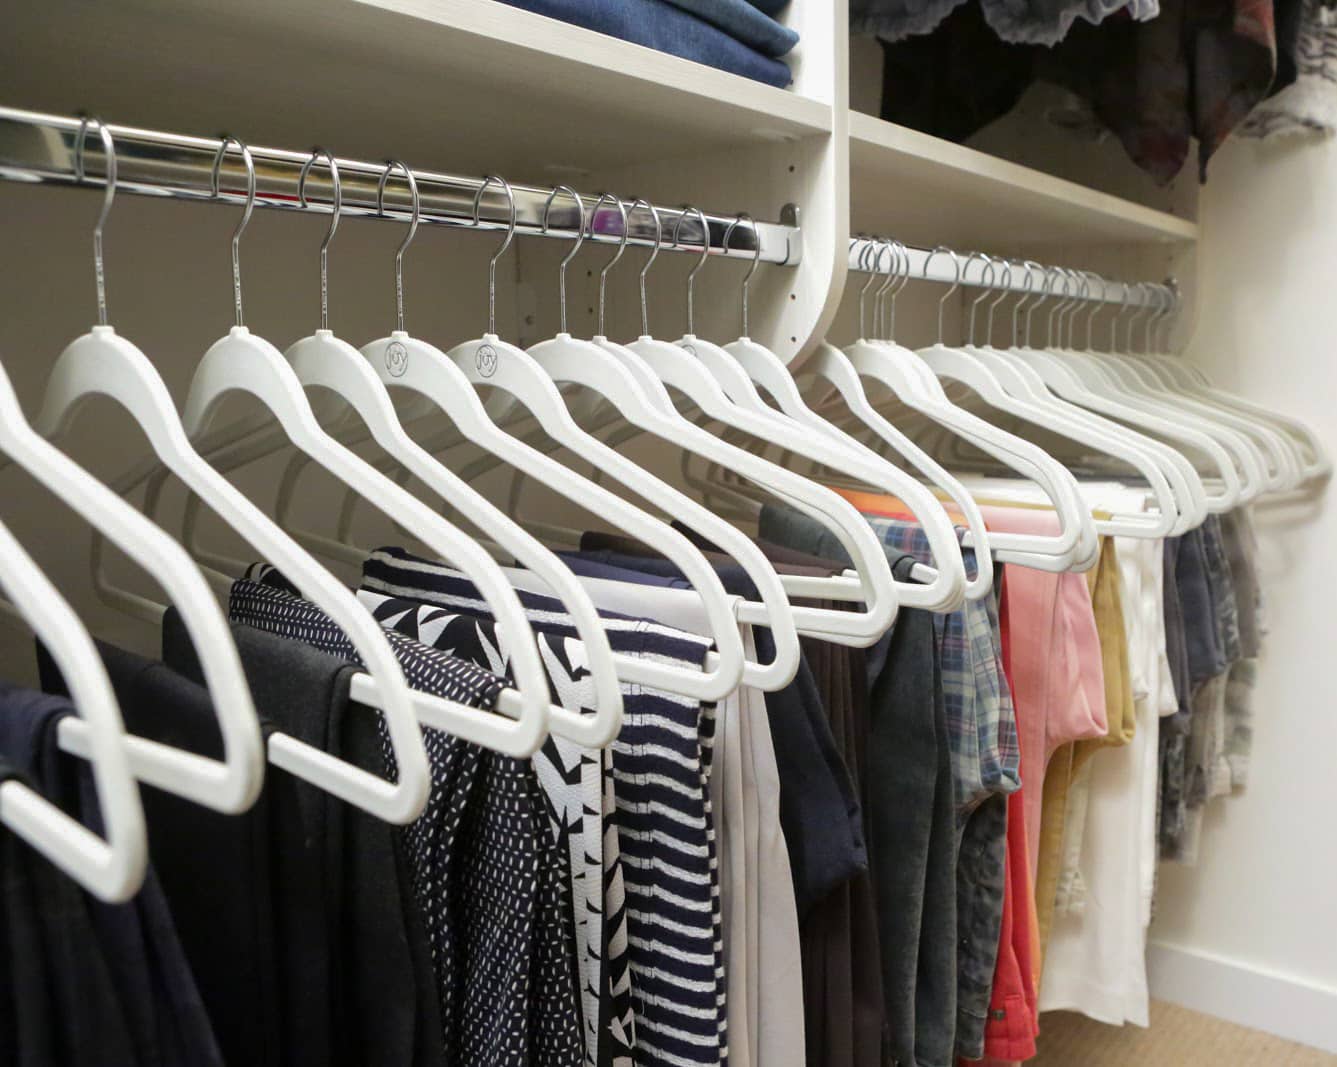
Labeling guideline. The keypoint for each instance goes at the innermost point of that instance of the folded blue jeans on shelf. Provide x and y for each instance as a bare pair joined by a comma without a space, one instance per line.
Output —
744,23
660,25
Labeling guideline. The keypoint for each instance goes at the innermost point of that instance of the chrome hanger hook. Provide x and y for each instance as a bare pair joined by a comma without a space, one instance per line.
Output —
654,254
1022,302
1097,303
880,292
873,272
1064,297
756,257
336,208
985,265
390,165
501,251
109,154
1083,284
1173,302
1139,309
705,251
245,214
902,263
1042,292
1004,284
580,240
622,247
956,282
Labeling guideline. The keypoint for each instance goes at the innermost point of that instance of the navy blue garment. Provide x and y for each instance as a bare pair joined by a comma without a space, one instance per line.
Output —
815,789
660,25
661,769
745,24
86,982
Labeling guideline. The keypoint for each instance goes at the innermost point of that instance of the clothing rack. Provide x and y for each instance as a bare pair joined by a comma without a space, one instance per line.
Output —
36,147
969,269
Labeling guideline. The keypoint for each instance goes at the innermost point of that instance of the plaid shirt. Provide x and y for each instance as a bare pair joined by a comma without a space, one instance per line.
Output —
981,722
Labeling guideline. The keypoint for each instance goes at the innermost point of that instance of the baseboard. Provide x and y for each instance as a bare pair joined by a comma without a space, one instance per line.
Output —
1263,1000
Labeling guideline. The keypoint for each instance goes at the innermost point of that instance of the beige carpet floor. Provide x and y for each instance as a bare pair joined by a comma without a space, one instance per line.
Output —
1177,1038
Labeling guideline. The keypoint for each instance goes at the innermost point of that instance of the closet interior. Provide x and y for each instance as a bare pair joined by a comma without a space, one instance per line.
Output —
320,295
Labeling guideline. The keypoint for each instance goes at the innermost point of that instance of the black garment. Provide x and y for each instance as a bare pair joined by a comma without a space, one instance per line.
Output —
88,982
484,867
343,896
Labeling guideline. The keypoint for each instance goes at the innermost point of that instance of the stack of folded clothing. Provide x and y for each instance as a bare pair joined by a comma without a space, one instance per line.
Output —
738,36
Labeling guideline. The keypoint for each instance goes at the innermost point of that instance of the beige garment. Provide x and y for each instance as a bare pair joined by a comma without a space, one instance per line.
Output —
1061,829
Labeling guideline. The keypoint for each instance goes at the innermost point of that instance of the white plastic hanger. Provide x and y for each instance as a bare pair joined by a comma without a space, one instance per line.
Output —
658,364
324,361
1117,380
1281,464
232,784
1062,377
242,362
1023,381
403,361
773,588
111,867
564,358
632,383
395,358
909,378
972,367
104,363
755,365
490,361
1310,453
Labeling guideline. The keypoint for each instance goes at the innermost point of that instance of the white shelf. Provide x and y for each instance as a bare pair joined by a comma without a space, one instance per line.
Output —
927,191
459,84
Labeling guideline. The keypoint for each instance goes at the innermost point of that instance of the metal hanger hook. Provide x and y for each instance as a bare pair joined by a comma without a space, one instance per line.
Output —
1139,309
390,165
756,256
986,264
245,214
109,154
705,251
622,247
336,208
874,270
902,272
956,281
1022,302
879,294
1004,284
1097,303
641,202
505,244
580,240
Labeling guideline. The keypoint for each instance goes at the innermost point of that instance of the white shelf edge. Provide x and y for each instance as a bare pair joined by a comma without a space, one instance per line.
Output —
1144,223
612,59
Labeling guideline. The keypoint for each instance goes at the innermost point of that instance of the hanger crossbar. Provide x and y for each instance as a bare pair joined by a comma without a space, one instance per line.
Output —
36,147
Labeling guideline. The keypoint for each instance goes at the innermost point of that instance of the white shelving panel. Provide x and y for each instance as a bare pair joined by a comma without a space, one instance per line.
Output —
928,191
450,84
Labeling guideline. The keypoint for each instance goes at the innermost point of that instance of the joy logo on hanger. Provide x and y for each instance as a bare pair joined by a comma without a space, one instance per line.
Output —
396,359
485,359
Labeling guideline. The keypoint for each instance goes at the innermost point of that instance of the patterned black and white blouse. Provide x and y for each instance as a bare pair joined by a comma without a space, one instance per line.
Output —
485,869
664,826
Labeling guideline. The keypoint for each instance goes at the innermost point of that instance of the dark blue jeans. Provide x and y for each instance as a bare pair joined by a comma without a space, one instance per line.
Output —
660,25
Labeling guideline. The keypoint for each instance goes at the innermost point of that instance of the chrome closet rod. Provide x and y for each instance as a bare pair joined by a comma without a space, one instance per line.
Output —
941,268
35,147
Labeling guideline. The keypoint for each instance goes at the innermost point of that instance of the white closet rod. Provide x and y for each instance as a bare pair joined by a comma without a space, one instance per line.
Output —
939,265
41,148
